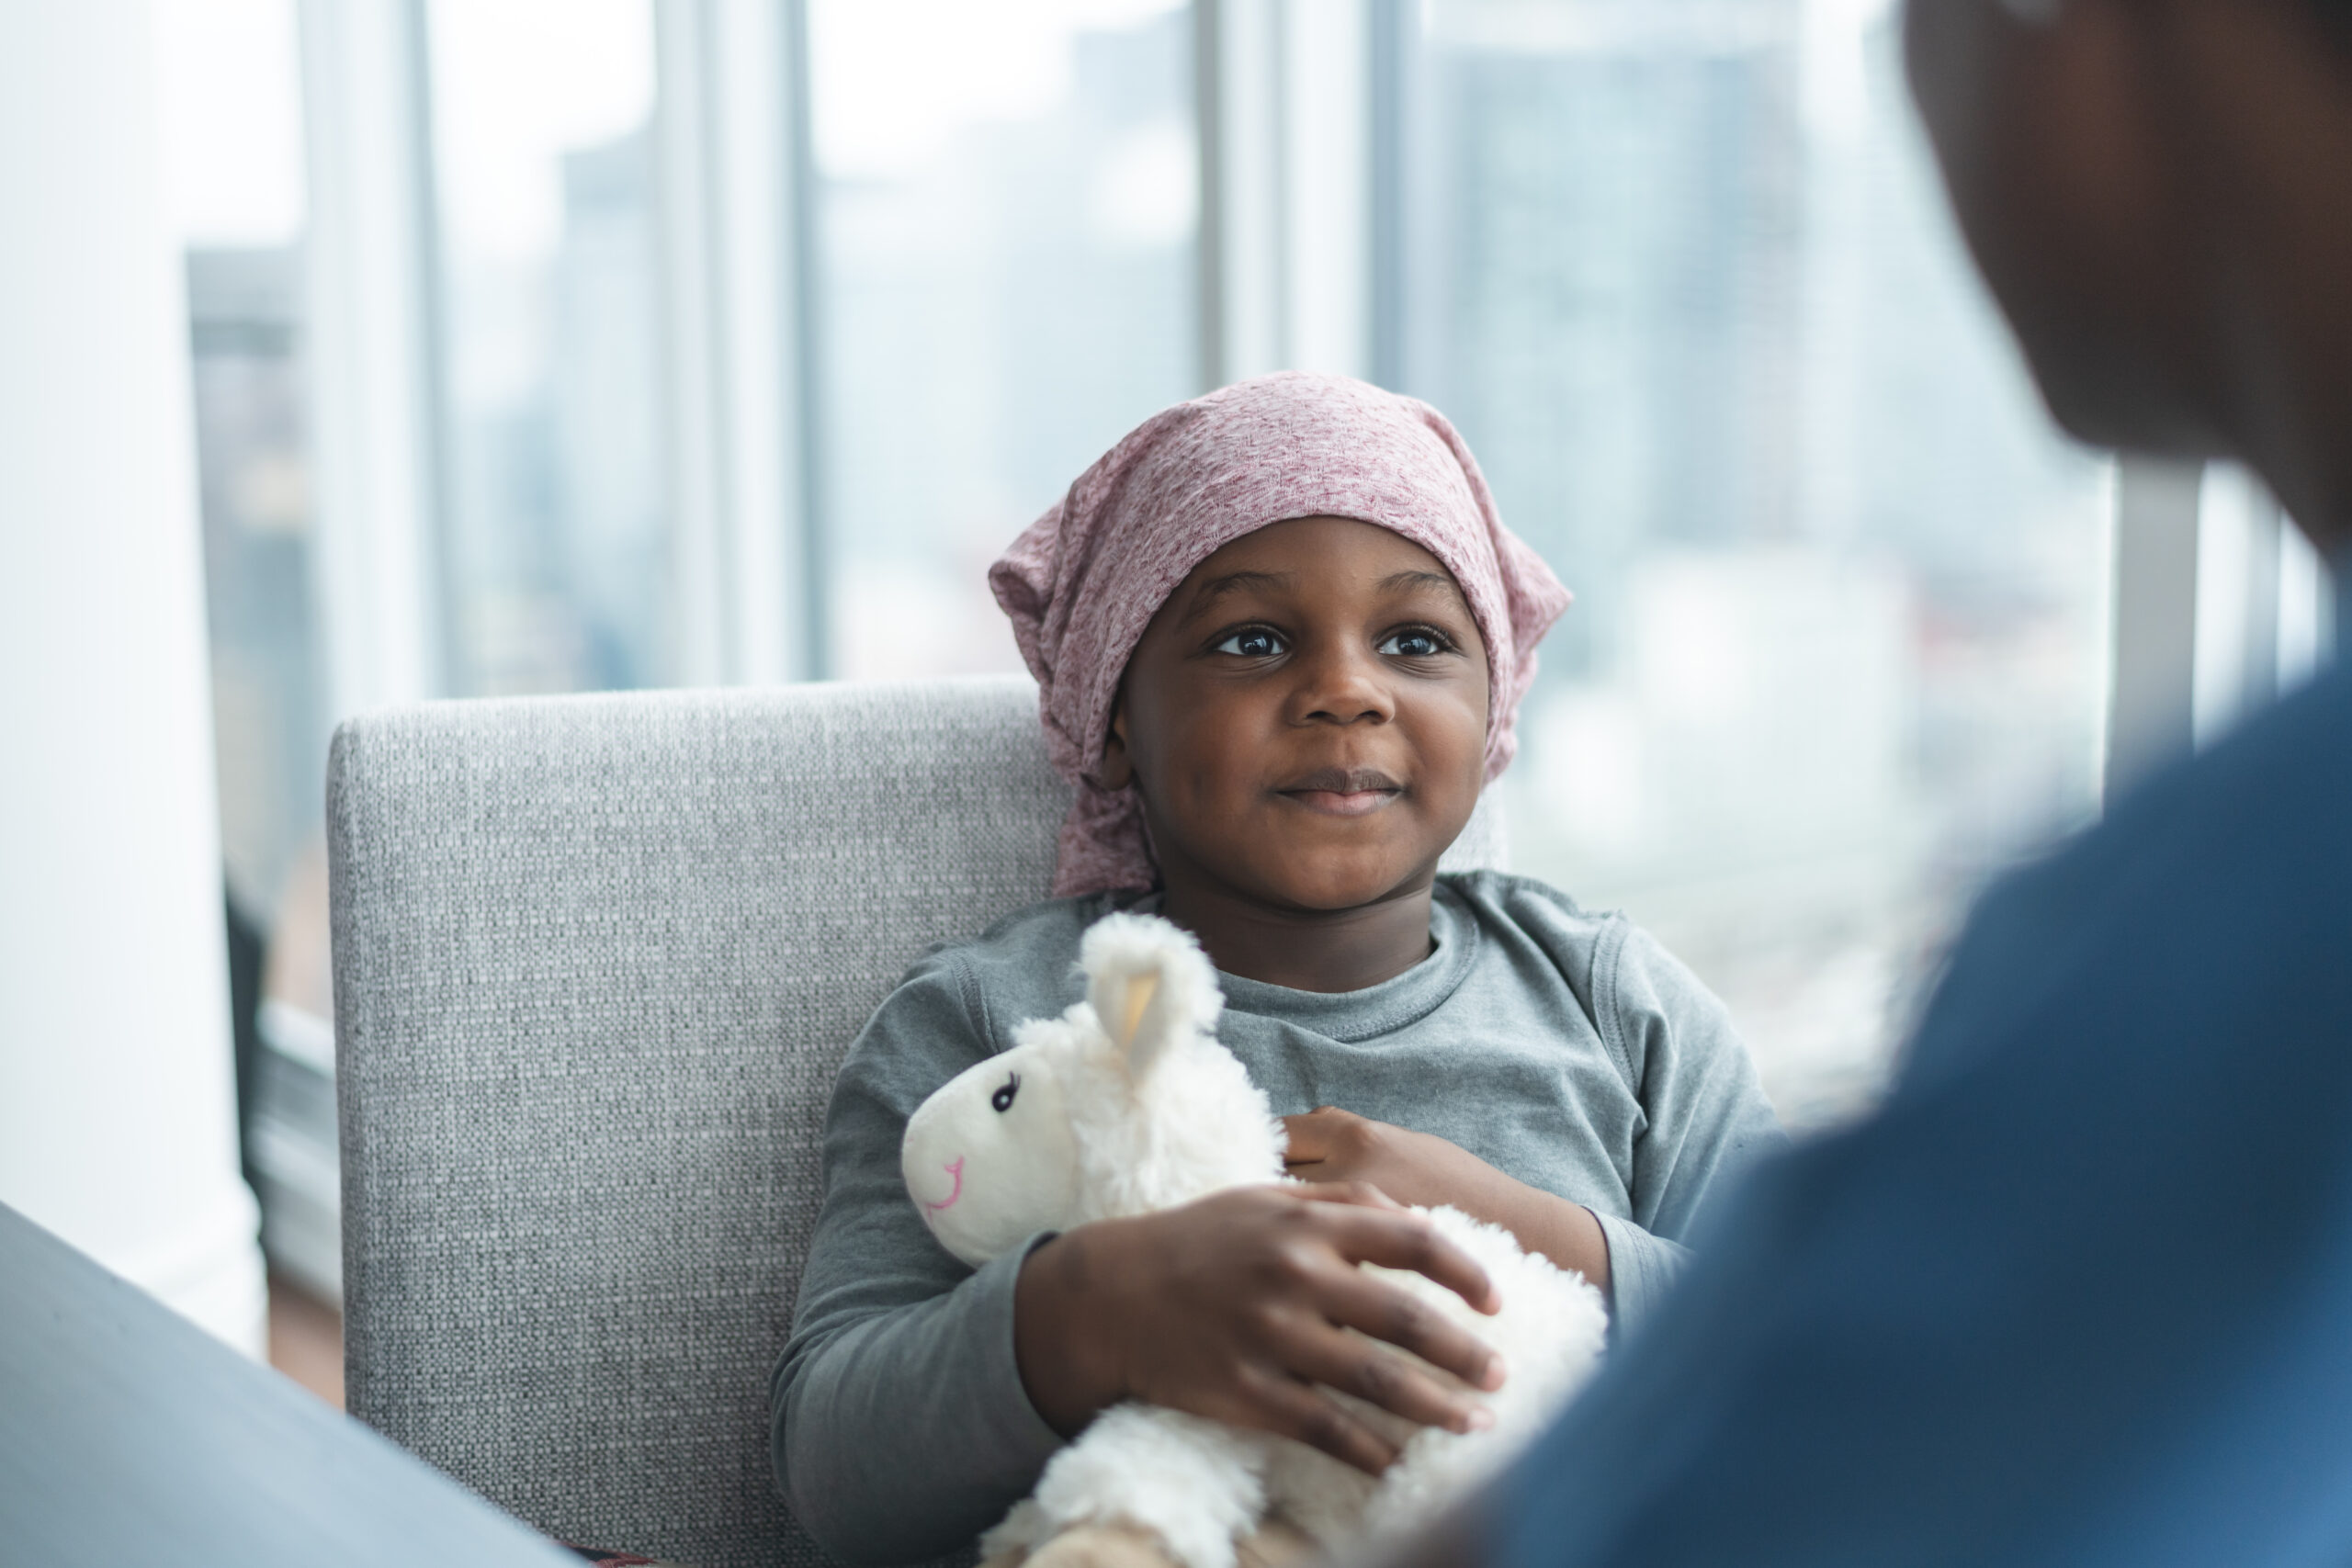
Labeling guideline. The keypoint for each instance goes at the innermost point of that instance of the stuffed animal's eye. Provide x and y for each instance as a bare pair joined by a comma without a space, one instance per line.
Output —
1002,1097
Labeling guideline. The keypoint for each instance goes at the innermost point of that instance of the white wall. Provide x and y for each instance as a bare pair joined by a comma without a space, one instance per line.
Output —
116,1118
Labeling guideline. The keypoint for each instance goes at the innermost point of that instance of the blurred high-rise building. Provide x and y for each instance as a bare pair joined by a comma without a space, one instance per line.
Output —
1680,271
1006,298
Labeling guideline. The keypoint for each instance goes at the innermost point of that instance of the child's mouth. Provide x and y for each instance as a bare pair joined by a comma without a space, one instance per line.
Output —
1342,803
1344,792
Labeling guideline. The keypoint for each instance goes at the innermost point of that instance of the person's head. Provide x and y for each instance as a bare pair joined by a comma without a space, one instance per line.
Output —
2160,194
1280,639
1305,718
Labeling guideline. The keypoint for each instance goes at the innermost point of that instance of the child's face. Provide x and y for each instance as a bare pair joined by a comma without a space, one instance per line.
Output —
1307,717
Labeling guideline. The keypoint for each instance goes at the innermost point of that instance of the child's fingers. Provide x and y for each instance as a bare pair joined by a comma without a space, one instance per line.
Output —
1353,1364
1327,1133
1310,1135
1300,1139
1361,1193
1408,1241
1374,1306
1288,1408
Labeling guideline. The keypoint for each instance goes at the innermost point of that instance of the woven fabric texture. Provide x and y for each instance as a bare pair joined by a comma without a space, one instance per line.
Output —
597,960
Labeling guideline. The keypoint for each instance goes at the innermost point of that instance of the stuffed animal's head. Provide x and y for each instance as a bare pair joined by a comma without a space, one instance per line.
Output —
1124,1102
992,1151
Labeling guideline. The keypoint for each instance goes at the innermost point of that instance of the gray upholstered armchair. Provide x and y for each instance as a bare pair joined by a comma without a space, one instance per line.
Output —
596,962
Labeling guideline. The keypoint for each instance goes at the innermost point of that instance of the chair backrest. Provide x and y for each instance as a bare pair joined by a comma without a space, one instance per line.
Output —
597,960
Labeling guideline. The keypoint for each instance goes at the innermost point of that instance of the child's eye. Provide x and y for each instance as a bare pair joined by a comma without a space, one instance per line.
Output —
1414,642
1252,642
1002,1097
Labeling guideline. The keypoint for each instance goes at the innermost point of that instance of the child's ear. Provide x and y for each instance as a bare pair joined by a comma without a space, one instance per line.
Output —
1118,769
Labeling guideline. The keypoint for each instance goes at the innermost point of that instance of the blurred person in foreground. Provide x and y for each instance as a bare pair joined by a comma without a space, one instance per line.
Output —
2082,1292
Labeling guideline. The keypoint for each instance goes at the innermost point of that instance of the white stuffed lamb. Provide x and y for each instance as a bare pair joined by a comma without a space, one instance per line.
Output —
1126,1104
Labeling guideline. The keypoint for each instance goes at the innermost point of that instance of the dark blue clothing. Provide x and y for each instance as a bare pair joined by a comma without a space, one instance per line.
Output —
2082,1292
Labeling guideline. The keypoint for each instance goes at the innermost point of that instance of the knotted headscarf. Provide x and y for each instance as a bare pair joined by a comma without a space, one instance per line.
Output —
1083,581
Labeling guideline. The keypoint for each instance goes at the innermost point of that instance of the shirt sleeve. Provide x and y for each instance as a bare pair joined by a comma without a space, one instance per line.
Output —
901,1425
1641,1268
1705,1118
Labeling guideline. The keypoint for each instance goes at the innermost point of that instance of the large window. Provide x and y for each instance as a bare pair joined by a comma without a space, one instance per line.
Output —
1008,221
1682,273
555,547
231,118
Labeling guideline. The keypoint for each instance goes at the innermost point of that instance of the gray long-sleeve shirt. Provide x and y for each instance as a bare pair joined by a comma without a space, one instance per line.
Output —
1565,1048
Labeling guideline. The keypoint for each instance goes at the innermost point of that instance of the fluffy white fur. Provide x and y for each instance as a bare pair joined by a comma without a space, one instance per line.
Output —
1126,1104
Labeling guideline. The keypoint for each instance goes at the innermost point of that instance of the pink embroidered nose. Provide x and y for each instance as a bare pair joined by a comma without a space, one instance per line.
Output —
956,1170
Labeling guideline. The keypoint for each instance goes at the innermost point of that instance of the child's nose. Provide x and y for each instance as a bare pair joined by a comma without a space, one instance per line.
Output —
1344,686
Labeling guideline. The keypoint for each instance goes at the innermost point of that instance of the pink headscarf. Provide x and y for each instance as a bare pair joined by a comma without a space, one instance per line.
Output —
1083,581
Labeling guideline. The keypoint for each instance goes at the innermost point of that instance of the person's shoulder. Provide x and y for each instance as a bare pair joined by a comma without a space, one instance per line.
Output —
2286,771
1529,905
1523,918
1608,960
1022,967
962,999
2272,801
2224,880
1045,933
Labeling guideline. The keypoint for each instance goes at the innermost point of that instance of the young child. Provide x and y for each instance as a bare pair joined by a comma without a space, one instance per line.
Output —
1281,637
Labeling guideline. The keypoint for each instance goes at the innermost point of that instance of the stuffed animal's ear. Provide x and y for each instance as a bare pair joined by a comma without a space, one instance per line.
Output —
1128,998
1149,985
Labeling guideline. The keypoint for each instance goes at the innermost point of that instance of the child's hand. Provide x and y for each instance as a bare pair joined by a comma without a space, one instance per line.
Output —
1331,1145
1232,1306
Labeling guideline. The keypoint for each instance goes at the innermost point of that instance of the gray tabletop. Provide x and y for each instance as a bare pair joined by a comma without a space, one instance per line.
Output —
129,1436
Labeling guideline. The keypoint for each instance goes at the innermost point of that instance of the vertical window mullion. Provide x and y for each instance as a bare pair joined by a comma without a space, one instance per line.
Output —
2153,681
369,310
805,314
